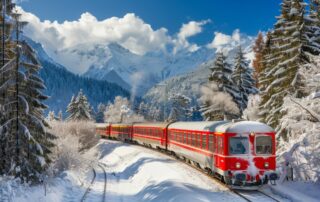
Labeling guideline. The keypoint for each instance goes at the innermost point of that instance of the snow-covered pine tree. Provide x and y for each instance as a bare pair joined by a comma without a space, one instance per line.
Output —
180,108
79,108
287,53
243,79
71,108
7,61
311,33
221,76
23,127
258,56
100,113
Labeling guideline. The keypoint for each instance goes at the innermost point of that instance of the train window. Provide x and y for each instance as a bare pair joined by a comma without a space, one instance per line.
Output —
211,143
220,145
238,145
198,142
196,136
204,141
192,138
263,145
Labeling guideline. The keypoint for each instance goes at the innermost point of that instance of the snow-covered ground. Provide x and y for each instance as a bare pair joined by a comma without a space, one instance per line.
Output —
139,174
135,173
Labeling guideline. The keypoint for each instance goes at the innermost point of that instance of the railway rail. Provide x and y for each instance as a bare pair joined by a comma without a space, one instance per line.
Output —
89,188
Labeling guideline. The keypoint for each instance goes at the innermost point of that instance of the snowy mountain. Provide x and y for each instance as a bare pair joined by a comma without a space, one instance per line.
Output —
189,84
141,72
62,84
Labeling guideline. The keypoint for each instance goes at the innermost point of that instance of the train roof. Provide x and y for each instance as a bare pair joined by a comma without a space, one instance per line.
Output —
244,127
121,124
152,124
197,125
101,125
223,126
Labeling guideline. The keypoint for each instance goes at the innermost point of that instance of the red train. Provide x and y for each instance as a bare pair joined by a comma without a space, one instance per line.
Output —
241,154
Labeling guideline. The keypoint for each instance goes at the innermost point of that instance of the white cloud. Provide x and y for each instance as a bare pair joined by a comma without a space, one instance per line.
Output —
190,29
222,40
129,31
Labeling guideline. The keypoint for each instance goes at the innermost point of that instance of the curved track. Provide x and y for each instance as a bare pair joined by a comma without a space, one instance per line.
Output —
93,181
90,185
105,181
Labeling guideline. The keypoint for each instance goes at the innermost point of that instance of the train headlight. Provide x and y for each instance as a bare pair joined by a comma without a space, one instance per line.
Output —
238,165
266,164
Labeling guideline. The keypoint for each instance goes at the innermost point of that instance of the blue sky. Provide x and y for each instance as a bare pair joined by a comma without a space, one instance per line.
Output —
249,16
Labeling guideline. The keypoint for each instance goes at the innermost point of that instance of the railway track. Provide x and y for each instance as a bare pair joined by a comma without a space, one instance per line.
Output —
250,196
255,195
93,181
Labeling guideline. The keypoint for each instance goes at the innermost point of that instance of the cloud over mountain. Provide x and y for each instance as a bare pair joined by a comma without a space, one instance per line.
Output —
69,42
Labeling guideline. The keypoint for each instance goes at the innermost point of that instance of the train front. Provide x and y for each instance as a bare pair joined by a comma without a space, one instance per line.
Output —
251,154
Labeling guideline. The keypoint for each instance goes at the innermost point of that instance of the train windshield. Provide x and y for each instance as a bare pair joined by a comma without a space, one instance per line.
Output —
263,145
239,145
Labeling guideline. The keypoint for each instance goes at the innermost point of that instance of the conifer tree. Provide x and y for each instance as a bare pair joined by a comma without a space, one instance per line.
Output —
27,143
292,44
243,79
71,108
180,108
79,108
258,56
222,85
221,75
100,113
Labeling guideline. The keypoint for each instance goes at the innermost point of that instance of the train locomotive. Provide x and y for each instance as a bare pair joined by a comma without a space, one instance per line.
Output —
242,154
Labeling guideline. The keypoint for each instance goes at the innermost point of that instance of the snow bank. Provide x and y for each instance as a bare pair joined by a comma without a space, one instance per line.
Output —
139,174
57,189
298,191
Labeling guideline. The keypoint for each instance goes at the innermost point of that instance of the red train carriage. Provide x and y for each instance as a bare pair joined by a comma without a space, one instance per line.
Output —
150,134
103,129
249,158
121,132
194,141
240,153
